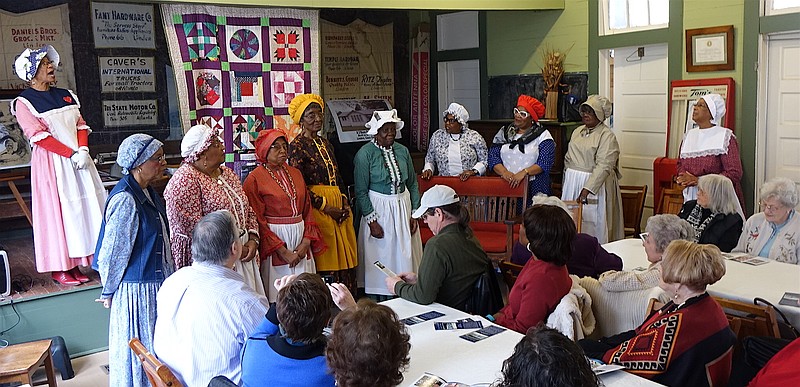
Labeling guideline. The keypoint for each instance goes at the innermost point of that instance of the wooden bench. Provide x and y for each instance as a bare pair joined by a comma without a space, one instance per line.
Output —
492,205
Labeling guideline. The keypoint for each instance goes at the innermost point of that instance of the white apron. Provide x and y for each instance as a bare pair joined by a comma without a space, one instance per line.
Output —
398,250
292,235
593,214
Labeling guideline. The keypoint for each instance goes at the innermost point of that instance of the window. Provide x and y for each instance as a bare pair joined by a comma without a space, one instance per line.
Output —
777,7
620,16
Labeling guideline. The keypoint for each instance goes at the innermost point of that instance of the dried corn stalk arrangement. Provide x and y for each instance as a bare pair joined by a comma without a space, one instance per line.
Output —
553,70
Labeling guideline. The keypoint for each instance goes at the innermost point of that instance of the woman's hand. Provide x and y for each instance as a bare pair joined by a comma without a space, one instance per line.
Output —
288,256
375,229
341,296
426,174
249,250
105,301
686,179
517,178
302,249
337,214
413,225
283,281
467,174
583,197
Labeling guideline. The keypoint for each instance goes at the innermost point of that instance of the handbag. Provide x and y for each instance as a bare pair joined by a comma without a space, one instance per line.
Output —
787,330
486,297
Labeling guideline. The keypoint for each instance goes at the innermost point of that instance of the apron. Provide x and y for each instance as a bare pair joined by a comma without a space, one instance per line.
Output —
290,230
593,214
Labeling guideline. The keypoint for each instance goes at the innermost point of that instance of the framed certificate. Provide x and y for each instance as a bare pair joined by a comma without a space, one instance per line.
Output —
709,49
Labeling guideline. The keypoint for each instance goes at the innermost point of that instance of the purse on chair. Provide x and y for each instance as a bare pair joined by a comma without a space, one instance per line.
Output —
486,297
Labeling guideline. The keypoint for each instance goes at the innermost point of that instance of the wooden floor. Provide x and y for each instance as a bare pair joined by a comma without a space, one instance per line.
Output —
26,282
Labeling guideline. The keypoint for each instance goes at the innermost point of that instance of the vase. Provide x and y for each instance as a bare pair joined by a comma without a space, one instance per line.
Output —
551,105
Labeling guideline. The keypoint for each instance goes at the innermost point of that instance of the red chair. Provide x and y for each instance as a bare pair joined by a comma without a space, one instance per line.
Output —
492,205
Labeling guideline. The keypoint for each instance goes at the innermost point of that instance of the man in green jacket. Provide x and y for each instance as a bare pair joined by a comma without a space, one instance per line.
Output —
452,260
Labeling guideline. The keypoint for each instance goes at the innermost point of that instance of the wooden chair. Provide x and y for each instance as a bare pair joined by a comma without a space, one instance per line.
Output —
510,272
753,320
633,197
159,374
577,212
18,362
491,202
670,202
653,306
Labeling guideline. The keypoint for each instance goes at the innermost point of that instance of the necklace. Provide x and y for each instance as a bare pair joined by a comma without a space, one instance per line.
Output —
455,139
326,158
291,194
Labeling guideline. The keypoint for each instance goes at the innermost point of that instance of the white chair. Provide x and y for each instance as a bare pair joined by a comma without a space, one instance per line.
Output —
618,312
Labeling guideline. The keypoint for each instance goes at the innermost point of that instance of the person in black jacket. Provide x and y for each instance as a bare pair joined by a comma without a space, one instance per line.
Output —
716,214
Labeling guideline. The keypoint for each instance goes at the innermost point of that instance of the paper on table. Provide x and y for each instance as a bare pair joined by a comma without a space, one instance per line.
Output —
600,368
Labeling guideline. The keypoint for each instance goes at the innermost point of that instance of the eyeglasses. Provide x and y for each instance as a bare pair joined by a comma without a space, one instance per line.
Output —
430,212
283,146
521,113
314,116
242,233
450,120
158,159
643,236
766,207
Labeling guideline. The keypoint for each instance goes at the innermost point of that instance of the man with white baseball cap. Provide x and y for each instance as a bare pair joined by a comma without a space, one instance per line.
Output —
452,260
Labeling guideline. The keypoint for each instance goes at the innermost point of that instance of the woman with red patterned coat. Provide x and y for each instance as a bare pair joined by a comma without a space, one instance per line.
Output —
687,342
710,148
290,238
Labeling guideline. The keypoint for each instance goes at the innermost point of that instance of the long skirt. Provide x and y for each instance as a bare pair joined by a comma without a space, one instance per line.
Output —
292,235
251,271
340,238
398,250
133,314
593,213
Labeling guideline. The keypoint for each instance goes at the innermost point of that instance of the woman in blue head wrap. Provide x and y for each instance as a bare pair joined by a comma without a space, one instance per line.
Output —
133,255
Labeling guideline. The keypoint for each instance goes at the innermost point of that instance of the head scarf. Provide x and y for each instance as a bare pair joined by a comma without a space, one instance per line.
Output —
716,105
532,106
459,112
600,105
135,150
299,104
381,117
196,141
27,62
265,140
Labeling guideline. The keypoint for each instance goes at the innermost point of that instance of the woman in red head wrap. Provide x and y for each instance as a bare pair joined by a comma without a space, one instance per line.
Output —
277,192
524,150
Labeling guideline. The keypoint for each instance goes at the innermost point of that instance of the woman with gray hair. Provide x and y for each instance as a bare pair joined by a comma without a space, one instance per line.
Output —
456,150
133,256
715,215
774,232
659,232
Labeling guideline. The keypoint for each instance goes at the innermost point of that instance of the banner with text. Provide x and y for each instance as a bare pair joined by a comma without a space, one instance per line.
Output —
33,30
123,25
357,61
130,113
127,74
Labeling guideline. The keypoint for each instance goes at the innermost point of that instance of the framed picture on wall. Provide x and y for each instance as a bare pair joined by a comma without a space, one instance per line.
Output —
709,49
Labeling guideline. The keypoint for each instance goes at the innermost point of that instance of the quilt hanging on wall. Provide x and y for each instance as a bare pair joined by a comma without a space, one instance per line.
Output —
237,69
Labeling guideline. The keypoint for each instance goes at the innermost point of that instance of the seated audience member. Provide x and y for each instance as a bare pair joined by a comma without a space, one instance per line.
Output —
452,260
368,347
288,348
659,232
548,232
206,310
687,342
774,232
589,258
545,357
781,370
715,215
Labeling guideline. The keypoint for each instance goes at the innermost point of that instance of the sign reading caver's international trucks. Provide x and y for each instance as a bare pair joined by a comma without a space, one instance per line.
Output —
120,74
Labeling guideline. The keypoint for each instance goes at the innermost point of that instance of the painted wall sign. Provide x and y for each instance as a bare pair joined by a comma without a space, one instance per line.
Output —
123,25
120,74
130,113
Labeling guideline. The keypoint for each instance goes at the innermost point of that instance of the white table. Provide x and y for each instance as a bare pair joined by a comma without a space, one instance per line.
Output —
454,359
741,282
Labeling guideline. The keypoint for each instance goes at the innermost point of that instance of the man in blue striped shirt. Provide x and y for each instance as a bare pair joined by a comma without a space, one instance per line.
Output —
206,310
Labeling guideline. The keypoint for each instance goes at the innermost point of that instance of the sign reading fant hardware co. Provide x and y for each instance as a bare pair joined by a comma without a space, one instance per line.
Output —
130,113
122,25
119,74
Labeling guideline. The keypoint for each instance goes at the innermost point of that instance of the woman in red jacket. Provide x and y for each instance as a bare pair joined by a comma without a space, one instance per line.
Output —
548,233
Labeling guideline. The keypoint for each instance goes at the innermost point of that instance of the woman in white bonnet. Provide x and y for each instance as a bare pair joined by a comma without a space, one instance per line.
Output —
456,150
710,148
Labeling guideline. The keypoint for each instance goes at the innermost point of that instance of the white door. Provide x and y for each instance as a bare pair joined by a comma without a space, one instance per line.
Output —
460,81
640,113
783,108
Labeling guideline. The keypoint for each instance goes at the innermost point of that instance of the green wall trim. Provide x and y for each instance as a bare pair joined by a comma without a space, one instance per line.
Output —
779,23
746,128
672,36
483,59
453,5
72,315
